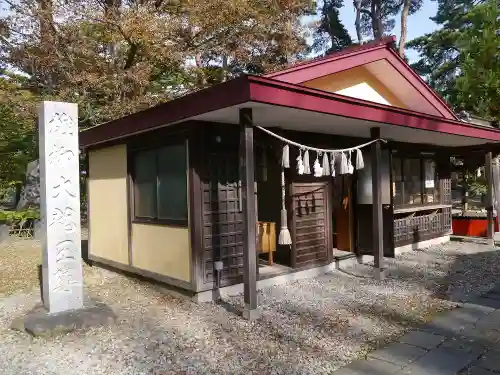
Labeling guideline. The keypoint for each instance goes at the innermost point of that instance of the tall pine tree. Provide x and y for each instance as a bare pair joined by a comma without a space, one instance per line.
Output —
331,34
461,60
439,51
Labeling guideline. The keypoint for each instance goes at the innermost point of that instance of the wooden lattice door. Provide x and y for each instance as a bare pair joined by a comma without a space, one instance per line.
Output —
311,224
222,216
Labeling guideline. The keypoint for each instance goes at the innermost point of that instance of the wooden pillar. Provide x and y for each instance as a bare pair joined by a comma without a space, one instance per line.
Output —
250,311
377,229
489,197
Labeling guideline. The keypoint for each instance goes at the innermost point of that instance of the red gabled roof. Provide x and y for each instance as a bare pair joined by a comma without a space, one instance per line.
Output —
359,55
383,42
248,90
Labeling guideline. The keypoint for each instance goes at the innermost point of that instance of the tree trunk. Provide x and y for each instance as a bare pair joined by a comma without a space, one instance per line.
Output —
112,13
47,42
357,23
404,27
375,12
202,79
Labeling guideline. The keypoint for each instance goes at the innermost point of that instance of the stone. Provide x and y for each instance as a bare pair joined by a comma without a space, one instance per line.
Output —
493,294
485,337
496,288
368,367
490,361
489,322
421,339
465,345
484,309
398,353
250,315
60,207
475,370
39,322
38,232
439,361
30,193
453,322
4,233
488,302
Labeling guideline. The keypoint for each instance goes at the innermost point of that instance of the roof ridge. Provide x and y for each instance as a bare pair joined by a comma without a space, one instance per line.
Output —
384,41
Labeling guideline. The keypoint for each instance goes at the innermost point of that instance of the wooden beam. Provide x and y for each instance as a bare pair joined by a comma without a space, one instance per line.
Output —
250,311
377,229
489,197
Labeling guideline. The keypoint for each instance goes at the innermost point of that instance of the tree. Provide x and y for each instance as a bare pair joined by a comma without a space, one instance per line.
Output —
17,132
439,51
375,17
478,84
115,57
330,34
409,7
461,60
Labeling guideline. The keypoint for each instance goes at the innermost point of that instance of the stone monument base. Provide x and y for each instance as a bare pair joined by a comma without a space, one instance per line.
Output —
39,322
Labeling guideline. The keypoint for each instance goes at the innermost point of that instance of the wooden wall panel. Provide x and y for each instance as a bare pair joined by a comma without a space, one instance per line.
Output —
222,210
311,224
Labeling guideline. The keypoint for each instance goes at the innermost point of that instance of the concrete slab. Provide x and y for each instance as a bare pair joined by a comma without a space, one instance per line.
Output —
453,322
368,367
439,361
488,322
484,309
398,353
490,361
496,288
492,295
488,302
474,370
484,336
422,339
39,322
465,345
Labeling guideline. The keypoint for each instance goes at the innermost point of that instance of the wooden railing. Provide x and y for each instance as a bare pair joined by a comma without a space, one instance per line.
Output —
421,226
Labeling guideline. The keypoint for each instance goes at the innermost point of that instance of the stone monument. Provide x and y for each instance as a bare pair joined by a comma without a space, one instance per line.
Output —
60,207
63,307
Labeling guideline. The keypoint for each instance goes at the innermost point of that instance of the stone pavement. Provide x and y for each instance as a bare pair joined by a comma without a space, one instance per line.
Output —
465,340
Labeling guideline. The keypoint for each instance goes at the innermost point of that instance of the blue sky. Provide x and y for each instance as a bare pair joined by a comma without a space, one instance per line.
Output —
418,24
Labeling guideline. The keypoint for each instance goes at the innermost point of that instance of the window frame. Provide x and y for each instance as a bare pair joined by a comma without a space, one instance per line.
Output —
172,141
422,160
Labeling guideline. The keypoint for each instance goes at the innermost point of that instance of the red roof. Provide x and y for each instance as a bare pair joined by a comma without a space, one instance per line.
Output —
383,42
376,51
251,89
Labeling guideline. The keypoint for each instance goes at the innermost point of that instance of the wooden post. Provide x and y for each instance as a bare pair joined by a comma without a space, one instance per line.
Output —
377,229
250,311
489,198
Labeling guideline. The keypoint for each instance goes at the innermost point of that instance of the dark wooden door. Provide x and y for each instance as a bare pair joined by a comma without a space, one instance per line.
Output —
311,224
222,211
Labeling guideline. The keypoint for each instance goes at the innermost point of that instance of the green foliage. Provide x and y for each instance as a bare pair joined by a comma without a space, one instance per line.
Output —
17,132
478,84
13,218
461,59
330,34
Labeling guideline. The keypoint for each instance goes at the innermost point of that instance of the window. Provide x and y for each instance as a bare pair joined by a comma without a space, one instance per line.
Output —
412,188
414,181
160,184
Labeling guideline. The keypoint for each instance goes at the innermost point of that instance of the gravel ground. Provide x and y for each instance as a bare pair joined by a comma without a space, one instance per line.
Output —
310,326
